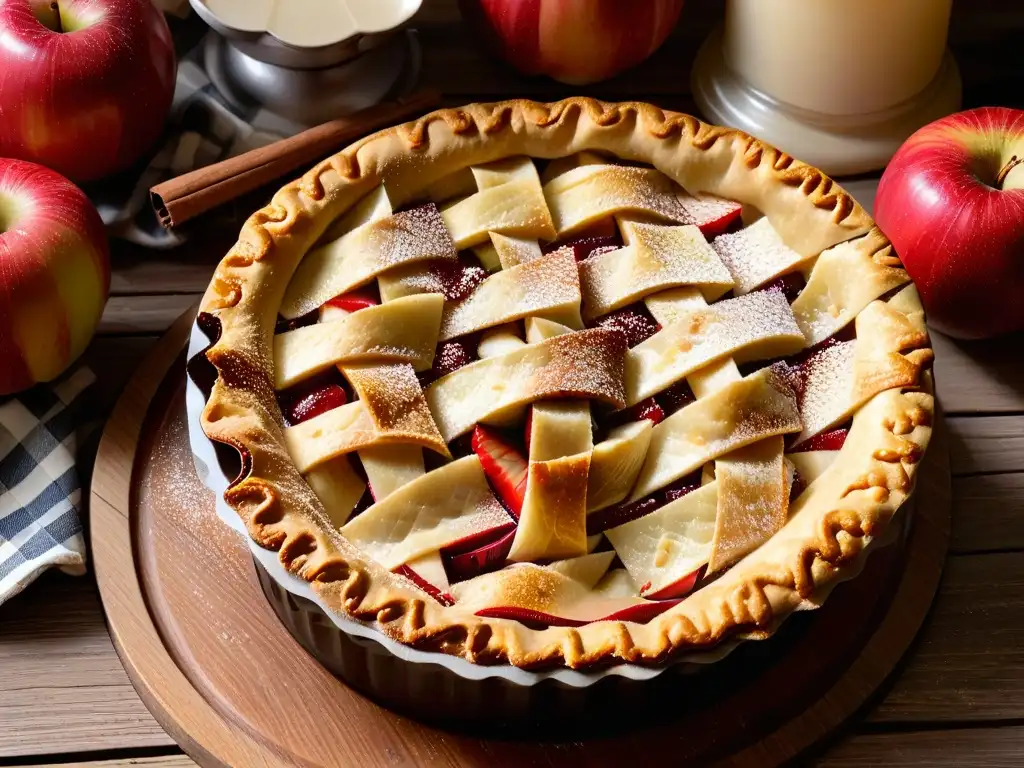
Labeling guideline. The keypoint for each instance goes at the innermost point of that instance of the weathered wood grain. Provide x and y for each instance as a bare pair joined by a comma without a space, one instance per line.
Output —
988,513
986,444
68,692
968,664
144,314
168,761
979,376
62,687
976,747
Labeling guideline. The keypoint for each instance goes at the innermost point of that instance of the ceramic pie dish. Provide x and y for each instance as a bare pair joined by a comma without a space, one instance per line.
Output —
570,385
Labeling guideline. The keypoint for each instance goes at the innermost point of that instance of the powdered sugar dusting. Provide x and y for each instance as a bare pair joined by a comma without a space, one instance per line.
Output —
412,235
761,325
828,387
658,257
546,284
593,192
756,255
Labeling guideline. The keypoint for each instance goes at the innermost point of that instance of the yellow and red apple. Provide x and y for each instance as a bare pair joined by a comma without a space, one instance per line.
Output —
56,274
952,203
85,85
574,41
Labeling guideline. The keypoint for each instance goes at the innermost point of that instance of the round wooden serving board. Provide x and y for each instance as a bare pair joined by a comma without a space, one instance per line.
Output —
223,676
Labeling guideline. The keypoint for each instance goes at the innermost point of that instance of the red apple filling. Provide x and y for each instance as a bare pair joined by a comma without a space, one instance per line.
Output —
449,357
505,468
353,301
460,278
713,215
833,440
634,321
620,514
541,596
584,247
313,397
442,597
463,564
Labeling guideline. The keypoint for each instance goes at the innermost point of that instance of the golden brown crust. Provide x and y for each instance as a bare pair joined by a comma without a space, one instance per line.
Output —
832,522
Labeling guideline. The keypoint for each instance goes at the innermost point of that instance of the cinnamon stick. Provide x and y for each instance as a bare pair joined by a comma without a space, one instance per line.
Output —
183,198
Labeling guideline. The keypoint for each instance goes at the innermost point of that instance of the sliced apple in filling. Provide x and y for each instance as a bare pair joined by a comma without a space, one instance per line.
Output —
810,465
665,550
389,467
400,331
587,569
713,215
756,255
654,258
759,406
358,256
546,287
615,464
539,329
338,487
498,341
753,500
756,326
587,194
391,410
587,364
617,583
553,522
544,596
452,504
427,573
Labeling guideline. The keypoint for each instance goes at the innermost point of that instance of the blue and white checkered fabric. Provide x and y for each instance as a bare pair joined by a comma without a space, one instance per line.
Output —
40,490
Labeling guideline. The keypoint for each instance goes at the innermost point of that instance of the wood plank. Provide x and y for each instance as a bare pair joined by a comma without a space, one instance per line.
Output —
62,687
177,271
988,513
968,664
979,376
986,444
144,314
168,761
977,747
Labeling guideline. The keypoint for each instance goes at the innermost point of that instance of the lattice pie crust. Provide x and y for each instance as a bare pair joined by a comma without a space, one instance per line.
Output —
755,546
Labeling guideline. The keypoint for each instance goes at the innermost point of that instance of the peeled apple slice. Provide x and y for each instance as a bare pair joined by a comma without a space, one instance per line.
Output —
668,546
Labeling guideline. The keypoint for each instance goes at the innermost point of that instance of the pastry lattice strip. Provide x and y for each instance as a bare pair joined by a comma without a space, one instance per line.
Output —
374,241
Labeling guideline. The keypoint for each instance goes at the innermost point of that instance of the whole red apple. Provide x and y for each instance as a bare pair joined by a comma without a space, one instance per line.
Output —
56,274
85,85
574,41
952,203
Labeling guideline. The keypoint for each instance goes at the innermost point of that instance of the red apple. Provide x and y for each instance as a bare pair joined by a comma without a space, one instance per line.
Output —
952,203
574,41
85,89
56,273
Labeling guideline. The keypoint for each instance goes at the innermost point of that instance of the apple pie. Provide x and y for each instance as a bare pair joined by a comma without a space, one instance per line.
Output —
561,384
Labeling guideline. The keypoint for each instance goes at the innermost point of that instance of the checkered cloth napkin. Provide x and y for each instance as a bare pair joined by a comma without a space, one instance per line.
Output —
41,434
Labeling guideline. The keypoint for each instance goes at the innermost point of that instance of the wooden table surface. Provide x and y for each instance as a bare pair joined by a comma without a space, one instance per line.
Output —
958,699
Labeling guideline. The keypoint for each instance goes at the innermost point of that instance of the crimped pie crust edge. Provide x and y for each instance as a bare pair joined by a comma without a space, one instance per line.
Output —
825,534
